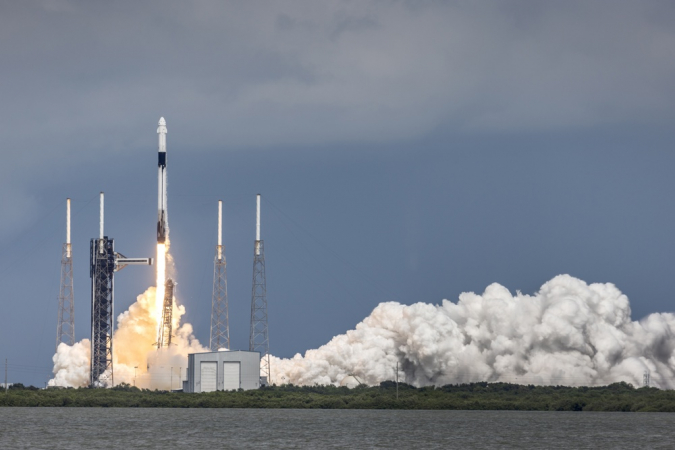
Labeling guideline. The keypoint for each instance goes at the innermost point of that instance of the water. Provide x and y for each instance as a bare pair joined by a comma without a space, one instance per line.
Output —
130,428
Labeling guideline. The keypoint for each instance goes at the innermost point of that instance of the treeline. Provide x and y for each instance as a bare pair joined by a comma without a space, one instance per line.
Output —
473,396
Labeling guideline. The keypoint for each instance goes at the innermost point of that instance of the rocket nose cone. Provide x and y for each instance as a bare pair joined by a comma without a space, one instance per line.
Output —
162,121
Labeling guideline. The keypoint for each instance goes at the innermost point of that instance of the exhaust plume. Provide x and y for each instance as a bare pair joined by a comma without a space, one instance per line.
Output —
569,333
136,359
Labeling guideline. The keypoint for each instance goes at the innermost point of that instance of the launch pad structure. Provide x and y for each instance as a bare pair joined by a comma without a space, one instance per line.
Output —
259,338
104,262
166,330
220,322
65,325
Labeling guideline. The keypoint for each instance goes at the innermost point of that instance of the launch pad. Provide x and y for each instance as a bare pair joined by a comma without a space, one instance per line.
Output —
104,262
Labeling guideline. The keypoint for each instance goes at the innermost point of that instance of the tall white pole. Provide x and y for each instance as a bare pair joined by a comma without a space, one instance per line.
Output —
220,229
257,227
68,228
100,231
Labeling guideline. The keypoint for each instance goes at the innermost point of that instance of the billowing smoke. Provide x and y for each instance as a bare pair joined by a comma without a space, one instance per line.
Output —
569,333
136,359
71,364
135,343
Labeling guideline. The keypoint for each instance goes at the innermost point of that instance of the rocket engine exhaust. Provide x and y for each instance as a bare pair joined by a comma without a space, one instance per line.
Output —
137,359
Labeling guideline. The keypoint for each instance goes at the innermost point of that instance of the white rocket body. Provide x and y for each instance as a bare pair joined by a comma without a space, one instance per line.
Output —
161,182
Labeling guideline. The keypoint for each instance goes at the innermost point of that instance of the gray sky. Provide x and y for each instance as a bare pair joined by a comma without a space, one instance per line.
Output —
405,151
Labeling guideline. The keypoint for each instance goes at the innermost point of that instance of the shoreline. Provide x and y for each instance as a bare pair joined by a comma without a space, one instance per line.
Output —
474,396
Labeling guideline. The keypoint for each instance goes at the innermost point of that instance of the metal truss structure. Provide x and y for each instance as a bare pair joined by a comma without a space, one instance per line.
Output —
65,324
104,262
220,319
102,271
259,338
165,330
65,328
220,322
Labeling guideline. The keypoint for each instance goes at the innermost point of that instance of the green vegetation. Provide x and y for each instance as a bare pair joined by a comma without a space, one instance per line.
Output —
481,396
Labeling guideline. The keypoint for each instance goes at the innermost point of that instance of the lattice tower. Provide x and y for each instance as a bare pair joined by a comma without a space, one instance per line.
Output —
65,326
259,338
65,329
165,330
104,262
102,312
220,328
220,322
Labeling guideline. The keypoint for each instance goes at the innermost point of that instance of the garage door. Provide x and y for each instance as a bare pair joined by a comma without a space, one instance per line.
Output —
209,372
230,375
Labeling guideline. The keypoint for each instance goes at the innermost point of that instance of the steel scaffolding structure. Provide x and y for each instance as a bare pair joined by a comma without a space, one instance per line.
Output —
102,313
259,338
104,262
65,326
220,325
220,322
65,329
166,330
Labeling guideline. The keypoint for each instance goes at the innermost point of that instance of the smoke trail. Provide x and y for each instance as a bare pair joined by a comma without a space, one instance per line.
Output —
569,333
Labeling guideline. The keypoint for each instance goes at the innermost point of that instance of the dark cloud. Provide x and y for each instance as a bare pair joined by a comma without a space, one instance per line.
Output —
305,72
443,145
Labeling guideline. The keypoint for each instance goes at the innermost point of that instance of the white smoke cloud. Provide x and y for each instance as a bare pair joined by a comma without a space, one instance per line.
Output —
569,333
137,360
71,364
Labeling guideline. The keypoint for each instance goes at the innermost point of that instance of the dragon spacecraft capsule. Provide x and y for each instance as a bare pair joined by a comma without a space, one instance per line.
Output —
161,180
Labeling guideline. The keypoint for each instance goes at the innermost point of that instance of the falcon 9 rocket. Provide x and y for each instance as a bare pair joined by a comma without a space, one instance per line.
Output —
161,181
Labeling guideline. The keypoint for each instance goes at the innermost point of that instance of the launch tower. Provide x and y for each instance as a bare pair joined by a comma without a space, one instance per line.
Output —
104,262
220,325
65,327
259,339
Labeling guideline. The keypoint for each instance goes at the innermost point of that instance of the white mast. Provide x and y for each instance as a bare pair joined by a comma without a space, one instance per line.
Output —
257,227
220,229
100,229
68,228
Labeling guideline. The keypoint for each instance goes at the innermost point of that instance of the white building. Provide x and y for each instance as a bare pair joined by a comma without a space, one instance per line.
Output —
222,371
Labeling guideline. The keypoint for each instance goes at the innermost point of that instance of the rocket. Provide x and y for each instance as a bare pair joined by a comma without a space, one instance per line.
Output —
161,181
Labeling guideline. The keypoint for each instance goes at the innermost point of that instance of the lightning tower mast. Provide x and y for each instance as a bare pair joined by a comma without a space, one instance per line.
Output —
259,339
104,262
65,328
220,324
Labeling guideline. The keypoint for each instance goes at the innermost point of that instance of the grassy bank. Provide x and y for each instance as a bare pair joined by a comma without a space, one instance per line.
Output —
476,396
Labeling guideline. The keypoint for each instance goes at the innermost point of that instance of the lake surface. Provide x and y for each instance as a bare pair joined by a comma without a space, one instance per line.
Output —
154,428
